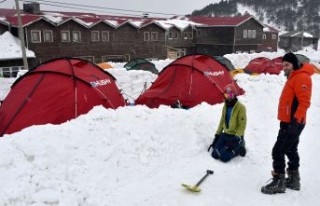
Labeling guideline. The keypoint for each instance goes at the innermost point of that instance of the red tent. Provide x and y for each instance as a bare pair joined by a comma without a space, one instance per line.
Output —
190,79
262,65
57,91
278,63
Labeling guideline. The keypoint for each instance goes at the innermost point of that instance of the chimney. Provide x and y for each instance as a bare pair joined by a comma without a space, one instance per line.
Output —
32,7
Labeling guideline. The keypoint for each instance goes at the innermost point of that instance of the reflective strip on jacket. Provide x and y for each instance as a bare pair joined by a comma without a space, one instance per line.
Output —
296,95
237,122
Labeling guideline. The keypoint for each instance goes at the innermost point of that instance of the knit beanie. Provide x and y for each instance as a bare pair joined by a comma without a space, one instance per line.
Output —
291,58
230,88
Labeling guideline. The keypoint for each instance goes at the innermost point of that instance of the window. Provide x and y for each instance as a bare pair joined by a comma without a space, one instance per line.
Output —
249,34
198,33
185,35
176,35
245,34
264,36
47,36
190,35
146,36
35,36
254,34
274,36
105,36
170,35
76,36
183,51
154,36
95,36
65,36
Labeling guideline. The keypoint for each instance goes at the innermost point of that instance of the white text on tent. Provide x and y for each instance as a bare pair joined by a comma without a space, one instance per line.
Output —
100,82
218,73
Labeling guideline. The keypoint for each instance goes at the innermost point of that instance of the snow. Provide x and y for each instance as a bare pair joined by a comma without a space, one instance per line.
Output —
305,34
10,47
180,24
86,24
57,19
140,156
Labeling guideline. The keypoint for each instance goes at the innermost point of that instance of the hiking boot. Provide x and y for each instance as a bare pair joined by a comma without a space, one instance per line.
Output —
276,186
293,179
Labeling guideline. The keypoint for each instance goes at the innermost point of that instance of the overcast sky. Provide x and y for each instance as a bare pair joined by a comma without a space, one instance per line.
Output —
178,7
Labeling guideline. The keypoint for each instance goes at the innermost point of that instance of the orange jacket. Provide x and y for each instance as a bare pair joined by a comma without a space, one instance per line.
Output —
296,94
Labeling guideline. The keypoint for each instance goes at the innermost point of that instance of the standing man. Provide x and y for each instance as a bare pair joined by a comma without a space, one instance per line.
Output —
292,109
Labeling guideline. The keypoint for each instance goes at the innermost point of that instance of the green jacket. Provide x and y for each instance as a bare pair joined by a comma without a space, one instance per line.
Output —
237,122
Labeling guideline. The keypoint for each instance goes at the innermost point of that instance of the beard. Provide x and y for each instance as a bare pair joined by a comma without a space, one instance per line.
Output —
287,72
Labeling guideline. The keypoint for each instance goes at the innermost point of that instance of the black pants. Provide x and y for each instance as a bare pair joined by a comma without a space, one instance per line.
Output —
286,145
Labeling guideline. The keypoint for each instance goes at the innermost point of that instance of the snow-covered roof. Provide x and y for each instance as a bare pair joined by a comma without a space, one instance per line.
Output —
88,20
268,28
10,47
298,34
305,34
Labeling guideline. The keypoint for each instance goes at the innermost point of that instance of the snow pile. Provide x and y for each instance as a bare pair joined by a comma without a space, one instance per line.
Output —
11,48
140,156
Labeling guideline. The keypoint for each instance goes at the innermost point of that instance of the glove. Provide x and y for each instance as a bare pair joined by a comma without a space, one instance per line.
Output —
293,127
215,140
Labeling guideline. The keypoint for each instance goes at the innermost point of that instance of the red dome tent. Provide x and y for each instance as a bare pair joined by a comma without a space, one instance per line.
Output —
57,91
190,79
278,63
262,65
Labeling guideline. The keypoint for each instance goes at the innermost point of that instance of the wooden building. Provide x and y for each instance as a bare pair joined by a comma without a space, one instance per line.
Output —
222,35
270,38
100,38
296,40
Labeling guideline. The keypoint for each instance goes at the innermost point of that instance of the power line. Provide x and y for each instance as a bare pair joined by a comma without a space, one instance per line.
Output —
2,1
101,7
87,9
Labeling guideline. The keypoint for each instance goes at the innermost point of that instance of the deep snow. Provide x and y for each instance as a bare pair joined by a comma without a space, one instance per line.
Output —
140,156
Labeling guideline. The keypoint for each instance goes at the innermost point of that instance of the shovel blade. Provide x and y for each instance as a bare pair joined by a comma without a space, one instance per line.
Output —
191,188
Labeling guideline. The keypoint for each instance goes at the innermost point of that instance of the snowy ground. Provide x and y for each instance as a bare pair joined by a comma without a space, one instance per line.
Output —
140,156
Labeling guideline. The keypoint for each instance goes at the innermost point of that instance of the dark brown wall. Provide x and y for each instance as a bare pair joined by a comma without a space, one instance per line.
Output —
128,41
269,44
249,25
125,40
215,35
214,40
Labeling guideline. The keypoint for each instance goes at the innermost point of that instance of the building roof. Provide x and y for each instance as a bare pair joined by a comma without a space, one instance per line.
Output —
298,34
219,21
270,29
88,20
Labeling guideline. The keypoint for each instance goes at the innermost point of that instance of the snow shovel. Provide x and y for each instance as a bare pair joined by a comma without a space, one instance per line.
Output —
196,187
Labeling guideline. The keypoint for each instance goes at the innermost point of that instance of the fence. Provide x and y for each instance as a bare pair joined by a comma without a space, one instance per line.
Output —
10,72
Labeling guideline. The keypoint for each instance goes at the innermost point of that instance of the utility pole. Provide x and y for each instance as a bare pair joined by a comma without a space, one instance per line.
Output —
303,20
21,37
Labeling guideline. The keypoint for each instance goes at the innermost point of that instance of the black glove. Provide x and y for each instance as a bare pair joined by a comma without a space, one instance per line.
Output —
294,127
215,140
